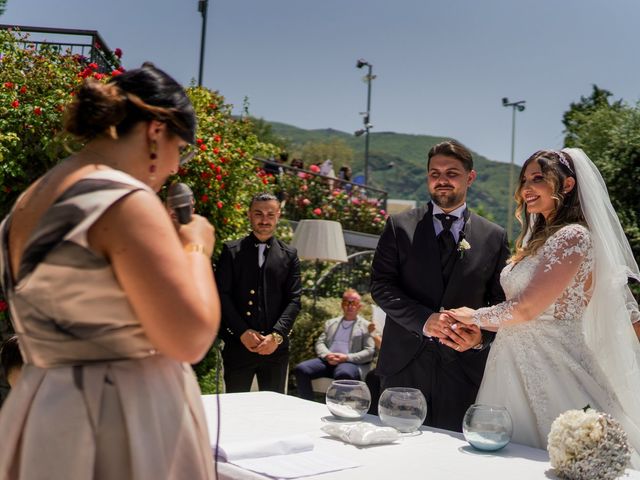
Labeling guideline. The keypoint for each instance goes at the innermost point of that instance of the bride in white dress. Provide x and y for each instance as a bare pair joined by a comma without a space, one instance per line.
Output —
565,336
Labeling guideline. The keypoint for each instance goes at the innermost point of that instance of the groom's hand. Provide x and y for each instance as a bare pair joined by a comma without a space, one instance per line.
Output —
462,337
436,324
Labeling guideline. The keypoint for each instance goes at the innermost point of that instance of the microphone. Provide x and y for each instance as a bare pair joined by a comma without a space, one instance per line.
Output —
180,200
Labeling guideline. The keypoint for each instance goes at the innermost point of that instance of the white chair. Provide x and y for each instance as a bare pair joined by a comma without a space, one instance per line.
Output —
321,385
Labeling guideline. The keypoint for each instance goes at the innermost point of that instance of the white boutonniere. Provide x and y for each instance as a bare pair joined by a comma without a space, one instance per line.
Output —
463,246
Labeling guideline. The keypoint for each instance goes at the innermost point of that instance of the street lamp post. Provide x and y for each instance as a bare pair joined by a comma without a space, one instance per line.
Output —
516,106
202,8
366,117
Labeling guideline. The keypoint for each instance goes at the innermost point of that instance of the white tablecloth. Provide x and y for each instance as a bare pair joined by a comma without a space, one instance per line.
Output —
433,454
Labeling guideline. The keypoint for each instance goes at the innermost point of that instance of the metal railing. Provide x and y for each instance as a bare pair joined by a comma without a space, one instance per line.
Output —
69,40
332,183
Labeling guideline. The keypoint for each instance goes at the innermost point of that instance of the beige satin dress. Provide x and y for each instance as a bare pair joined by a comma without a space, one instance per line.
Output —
95,400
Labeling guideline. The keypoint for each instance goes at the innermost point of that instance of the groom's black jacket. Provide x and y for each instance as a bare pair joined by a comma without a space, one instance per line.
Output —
407,284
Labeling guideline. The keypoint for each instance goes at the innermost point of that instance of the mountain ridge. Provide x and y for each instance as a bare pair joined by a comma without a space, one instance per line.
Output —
406,180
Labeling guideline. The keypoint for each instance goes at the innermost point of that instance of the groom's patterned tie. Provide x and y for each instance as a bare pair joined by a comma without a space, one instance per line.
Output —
446,244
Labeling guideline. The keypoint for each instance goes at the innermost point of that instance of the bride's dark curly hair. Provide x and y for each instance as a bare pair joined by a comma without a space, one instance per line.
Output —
556,167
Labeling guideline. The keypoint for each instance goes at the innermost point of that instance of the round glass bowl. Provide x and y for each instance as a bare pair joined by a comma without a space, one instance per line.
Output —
487,427
402,408
348,399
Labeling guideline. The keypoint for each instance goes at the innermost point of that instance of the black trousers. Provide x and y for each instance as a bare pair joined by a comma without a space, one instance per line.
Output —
373,382
240,365
446,387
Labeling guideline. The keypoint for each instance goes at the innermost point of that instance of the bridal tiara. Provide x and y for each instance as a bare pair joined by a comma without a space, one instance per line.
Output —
563,160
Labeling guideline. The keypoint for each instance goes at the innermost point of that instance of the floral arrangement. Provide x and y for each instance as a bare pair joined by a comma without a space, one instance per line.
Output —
586,444
315,197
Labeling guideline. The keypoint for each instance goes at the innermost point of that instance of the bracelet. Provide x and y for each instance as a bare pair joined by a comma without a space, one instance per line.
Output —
277,337
196,247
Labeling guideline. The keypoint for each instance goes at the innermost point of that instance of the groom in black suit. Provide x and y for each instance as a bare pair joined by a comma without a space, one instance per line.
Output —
430,259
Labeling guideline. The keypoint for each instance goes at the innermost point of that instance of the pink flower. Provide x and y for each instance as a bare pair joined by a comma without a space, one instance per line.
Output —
304,188
383,212
355,201
306,202
314,168
317,211
115,73
219,204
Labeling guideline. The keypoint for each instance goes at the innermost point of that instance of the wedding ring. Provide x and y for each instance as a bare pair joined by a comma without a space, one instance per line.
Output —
458,348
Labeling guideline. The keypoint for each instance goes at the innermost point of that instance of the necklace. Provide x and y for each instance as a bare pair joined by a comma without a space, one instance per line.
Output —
351,322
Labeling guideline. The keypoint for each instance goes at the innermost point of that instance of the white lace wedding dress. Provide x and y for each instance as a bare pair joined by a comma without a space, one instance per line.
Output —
540,368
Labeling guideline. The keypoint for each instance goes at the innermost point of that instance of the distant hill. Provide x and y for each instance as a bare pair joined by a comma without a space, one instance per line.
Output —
408,152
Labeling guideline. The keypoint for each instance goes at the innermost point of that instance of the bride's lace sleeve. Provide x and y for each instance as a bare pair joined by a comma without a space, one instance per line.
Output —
561,258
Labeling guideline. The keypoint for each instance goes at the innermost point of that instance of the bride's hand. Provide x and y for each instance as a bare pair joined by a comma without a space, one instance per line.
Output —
462,314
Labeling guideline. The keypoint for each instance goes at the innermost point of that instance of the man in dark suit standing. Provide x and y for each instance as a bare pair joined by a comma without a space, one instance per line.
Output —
258,279
430,259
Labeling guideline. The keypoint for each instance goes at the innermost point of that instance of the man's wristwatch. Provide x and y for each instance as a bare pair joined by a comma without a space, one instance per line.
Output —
277,337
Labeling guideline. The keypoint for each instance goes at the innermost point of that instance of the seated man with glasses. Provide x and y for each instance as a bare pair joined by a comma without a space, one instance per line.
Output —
345,348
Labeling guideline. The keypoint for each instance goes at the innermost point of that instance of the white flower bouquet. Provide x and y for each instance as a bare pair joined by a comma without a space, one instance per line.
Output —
586,444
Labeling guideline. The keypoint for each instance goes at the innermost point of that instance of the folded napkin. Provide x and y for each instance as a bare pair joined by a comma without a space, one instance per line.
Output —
361,433
233,451
287,457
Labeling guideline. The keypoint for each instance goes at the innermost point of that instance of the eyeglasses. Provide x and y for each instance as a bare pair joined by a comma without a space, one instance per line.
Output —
187,152
351,302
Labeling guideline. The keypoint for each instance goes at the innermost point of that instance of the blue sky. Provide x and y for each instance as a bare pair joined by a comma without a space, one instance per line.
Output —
442,66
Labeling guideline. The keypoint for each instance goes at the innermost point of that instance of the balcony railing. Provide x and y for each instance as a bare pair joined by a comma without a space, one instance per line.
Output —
87,44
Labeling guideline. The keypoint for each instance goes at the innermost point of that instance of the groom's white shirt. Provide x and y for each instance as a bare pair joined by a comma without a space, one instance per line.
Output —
456,226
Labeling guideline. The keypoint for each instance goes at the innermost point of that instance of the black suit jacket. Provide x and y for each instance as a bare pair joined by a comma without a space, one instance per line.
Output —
407,284
237,274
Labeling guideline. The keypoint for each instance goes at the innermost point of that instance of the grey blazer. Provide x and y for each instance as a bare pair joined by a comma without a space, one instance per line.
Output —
361,345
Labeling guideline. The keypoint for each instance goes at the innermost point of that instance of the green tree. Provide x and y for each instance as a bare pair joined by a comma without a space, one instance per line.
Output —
574,117
3,6
609,132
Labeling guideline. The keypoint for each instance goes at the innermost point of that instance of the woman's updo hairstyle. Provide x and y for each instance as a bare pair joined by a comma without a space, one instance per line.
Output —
143,94
556,167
